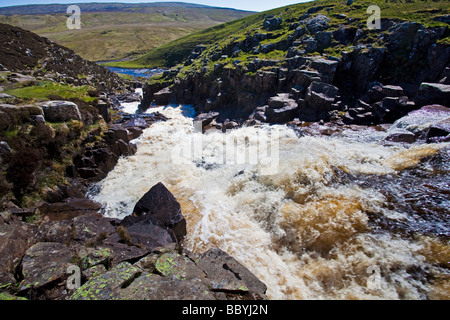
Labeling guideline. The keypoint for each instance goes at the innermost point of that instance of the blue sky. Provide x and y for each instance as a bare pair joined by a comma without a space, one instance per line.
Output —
252,5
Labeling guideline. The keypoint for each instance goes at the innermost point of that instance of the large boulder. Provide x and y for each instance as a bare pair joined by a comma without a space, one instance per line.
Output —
44,264
140,231
161,208
430,123
272,23
162,97
228,274
320,96
205,119
327,68
310,43
323,39
281,109
433,93
317,23
344,35
61,111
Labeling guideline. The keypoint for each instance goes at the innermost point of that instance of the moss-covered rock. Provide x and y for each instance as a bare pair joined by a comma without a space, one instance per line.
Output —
107,286
44,267
6,296
177,266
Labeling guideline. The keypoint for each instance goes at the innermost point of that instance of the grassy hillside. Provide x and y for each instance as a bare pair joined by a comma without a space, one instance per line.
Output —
340,13
117,31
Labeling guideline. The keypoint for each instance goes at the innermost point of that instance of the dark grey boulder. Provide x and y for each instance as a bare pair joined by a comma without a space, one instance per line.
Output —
140,231
43,265
163,97
311,44
161,208
326,68
272,23
320,96
317,23
227,274
433,93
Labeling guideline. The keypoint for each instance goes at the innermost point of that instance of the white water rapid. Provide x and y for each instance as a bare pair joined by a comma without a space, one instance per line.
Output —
304,231
132,107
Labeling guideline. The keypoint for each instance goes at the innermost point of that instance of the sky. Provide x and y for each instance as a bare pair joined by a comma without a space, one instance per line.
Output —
251,5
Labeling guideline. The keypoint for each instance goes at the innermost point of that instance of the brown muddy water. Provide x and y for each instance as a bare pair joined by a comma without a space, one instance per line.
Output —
343,216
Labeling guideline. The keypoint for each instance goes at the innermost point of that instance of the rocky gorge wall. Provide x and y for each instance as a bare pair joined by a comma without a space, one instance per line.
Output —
347,86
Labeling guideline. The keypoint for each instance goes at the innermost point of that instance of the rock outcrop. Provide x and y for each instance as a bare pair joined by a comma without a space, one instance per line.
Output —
61,111
93,257
28,51
168,275
363,84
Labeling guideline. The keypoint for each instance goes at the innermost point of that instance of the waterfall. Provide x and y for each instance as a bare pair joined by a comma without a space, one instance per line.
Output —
309,227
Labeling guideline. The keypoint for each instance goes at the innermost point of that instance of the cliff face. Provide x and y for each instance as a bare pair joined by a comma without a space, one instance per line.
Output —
325,64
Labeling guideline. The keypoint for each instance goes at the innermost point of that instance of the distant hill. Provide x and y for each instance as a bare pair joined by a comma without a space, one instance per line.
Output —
352,16
93,7
112,31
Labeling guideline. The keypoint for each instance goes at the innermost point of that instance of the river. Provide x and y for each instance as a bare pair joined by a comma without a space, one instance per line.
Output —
137,73
314,217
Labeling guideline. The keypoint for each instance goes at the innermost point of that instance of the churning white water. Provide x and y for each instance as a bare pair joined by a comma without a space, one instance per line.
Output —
132,107
293,221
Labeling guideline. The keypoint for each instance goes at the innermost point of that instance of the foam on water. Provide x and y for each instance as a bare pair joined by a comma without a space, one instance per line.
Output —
303,231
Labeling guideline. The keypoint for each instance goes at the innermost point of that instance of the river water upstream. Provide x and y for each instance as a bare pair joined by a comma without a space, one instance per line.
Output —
336,217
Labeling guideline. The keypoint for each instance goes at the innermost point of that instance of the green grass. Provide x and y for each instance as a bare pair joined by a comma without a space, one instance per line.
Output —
177,51
112,35
45,89
173,53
